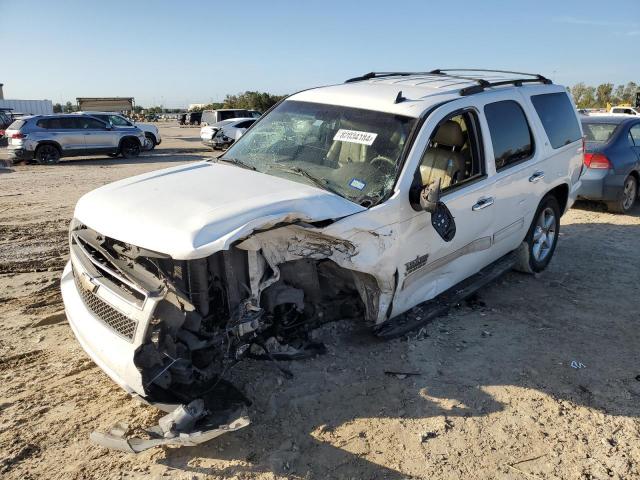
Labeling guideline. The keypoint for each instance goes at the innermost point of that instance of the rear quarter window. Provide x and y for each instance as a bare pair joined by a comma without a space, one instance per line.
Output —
510,133
558,118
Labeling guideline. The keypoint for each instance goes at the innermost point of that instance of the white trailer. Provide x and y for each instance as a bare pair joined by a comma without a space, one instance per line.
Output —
30,107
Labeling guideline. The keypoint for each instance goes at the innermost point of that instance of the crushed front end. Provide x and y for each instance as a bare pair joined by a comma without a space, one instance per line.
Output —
167,330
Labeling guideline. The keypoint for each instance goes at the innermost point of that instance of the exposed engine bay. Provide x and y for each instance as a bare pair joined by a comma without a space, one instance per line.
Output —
259,299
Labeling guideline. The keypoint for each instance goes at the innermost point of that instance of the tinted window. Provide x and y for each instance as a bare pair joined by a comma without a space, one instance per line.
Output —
245,124
558,118
68,123
510,133
90,123
598,132
233,114
118,121
49,123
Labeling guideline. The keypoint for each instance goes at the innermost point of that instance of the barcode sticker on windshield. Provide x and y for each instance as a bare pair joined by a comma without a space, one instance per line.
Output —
354,136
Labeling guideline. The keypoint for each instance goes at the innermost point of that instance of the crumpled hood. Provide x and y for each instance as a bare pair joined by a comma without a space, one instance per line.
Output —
194,210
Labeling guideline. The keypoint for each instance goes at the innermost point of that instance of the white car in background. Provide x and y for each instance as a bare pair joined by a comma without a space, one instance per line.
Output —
222,134
151,132
625,111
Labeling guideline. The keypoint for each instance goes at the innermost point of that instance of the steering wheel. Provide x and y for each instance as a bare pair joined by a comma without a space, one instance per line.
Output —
385,162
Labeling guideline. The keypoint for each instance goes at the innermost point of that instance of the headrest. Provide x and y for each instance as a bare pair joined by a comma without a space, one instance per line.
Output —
449,134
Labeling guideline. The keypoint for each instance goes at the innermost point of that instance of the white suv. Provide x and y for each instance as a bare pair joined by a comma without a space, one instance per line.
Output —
360,200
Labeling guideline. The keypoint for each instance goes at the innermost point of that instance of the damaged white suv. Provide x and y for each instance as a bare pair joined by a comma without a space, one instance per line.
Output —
360,200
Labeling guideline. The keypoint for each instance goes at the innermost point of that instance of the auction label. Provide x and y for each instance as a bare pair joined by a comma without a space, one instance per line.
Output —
354,136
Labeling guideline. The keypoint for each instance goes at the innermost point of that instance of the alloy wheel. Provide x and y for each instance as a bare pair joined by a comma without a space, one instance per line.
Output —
629,193
544,234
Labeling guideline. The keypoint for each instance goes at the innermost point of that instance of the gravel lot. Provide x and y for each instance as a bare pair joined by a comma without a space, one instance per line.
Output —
496,396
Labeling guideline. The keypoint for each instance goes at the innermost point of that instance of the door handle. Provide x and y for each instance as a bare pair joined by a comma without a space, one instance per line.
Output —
482,203
536,177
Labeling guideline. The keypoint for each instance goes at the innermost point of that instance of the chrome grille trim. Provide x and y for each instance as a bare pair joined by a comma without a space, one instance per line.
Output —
122,325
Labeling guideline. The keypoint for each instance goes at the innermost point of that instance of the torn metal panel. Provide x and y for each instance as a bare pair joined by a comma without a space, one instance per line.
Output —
165,433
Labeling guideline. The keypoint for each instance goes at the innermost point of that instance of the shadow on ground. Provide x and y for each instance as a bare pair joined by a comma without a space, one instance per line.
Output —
520,331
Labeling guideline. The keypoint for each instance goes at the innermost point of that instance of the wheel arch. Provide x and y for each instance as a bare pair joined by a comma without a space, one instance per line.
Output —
152,136
561,192
49,142
129,137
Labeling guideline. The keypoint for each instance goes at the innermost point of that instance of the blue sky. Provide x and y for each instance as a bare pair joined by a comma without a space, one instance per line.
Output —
180,52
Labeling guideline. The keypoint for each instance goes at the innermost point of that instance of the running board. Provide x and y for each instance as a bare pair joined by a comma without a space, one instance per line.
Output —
424,312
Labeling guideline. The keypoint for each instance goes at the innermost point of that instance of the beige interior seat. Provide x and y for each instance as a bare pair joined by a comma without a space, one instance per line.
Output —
443,158
342,153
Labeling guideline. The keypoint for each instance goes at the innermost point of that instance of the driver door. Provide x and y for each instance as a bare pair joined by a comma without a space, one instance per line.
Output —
453,147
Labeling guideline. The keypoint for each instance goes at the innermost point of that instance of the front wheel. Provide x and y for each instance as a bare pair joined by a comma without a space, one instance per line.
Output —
130,148
627,197
152,141
540,243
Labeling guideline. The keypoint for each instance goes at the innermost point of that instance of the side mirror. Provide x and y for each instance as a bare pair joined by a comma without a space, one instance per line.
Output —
430,196
441,218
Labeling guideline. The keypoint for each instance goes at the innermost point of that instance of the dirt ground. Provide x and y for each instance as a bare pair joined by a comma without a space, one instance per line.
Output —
496,395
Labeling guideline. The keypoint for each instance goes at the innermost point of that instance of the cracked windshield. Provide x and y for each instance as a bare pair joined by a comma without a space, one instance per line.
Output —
352,152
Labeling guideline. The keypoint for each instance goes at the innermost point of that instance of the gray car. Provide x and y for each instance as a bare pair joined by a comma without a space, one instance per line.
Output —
612,158
47,138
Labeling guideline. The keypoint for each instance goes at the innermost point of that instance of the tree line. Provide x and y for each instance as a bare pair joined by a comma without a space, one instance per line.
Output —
604,94
249,100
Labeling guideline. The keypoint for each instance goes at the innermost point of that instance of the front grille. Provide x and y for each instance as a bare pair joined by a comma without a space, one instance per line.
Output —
119,323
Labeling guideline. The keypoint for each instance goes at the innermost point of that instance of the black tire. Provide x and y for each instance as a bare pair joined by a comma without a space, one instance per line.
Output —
47,154
152,140
130,148
538,246
113,155
628,197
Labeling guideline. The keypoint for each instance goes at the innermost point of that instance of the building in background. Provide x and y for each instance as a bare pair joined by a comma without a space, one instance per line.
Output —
27,107
106,104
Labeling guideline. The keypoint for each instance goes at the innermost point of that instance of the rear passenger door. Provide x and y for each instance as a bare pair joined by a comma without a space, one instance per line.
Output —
68,135
515,160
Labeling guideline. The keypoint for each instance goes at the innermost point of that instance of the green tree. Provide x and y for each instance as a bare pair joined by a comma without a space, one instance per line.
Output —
69,108
603,94
618,95
584,95
138,109
57,108
261,101
629,95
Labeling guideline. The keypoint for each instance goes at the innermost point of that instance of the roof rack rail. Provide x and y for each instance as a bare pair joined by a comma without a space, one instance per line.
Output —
459,74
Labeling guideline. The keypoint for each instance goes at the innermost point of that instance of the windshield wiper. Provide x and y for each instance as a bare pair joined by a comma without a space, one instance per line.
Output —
235,161
319,182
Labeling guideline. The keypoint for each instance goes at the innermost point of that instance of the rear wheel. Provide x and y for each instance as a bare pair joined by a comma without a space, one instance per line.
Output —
152,140
47,155
627,197
541,240
130,148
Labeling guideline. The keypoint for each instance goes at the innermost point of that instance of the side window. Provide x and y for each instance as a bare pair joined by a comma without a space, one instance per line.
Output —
88,123
452,154
558,118
245,124
510,133
69,123
635,134
117,121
